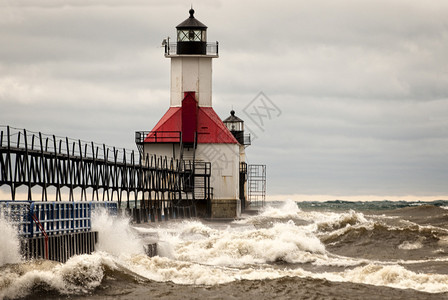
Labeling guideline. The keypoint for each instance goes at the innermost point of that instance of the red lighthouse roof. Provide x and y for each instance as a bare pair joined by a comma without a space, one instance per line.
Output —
210,128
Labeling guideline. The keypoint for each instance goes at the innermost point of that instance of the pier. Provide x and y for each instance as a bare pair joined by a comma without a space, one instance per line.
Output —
92,172
56,183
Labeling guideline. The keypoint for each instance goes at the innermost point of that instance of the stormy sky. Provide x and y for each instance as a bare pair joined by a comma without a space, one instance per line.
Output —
354,101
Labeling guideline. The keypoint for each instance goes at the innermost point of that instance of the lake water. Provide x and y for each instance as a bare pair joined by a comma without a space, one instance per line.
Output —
288,250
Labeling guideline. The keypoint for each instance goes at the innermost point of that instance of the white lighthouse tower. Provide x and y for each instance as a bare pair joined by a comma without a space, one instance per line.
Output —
191,63
191,131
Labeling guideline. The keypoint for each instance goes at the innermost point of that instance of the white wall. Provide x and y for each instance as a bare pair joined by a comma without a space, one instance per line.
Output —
225,168
191,74
225,162
160,149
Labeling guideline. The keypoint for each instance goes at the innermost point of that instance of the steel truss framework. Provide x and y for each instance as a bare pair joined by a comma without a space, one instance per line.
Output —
89,171
257,184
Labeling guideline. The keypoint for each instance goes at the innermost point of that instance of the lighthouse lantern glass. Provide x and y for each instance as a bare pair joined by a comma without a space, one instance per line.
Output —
234,125
190,35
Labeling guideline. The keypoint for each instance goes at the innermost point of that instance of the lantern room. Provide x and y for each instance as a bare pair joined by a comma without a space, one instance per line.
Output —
233,123
191,36
236,127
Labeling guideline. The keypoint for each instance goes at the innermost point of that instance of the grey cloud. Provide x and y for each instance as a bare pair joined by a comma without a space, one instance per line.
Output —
362,85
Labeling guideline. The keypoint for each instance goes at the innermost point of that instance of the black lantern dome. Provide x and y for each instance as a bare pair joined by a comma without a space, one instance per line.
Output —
191,36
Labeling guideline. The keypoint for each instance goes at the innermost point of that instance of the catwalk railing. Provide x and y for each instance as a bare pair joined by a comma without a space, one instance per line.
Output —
36,219
54,230
86,171
211,49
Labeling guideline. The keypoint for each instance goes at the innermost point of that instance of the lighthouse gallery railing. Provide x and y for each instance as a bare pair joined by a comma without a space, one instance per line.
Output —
212,49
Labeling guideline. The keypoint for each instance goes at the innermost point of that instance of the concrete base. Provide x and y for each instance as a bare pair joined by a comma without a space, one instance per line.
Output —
226,208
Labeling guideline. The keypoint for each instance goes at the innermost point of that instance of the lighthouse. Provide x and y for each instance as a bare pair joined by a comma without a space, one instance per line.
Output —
191,131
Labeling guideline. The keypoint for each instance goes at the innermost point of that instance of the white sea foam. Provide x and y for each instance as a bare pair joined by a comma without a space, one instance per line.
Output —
80,274
115,235
283,241
393,276
318,220
9,243
331,220
406,245
288,210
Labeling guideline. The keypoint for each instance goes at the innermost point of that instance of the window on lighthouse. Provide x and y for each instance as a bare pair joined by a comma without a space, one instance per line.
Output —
234,126
190,36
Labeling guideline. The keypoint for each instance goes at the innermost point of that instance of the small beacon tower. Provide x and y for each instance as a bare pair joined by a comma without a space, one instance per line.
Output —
191,131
